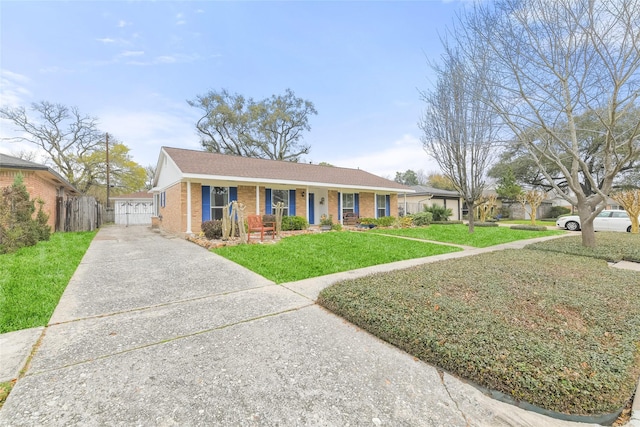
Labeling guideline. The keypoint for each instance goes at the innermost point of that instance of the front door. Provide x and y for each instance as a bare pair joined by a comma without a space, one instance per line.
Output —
311,209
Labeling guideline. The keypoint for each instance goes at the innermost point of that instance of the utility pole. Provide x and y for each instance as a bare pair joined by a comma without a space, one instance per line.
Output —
108,183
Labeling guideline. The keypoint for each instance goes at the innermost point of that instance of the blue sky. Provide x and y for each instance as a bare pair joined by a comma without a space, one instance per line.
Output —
134,64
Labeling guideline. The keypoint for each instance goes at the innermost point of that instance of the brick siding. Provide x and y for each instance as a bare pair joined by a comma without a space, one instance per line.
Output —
38,187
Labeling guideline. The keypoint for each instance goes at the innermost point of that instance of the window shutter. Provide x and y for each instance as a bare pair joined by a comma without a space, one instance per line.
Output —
292,202
339,206
233,194
388,204
356,203
267,201
206,203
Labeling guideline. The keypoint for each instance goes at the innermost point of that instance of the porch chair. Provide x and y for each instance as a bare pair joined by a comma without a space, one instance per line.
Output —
351,218
256,225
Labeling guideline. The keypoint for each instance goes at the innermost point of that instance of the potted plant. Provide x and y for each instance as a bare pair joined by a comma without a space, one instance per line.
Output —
326,222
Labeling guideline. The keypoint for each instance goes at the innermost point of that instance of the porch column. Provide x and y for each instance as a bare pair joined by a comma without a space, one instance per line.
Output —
258,199
307,202
189,207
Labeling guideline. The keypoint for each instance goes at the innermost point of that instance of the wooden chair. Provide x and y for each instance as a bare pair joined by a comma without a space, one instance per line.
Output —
256,225
350,218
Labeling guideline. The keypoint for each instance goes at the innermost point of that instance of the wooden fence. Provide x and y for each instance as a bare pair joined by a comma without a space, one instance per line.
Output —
82,213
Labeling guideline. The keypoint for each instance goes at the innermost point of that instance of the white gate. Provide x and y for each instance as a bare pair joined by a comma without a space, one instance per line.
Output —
133,212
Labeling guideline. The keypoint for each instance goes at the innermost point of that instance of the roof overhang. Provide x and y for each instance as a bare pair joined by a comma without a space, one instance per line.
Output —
280,182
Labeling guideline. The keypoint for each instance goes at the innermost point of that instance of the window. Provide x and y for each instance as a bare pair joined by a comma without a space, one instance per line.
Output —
280,196
348,203
381,205
219,199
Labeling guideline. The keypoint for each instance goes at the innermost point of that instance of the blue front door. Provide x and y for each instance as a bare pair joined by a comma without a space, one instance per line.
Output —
311,209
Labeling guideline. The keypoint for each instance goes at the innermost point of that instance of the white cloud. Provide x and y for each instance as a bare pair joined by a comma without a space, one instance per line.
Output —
106,40
122,23
404,153
132,53
13,89
144,132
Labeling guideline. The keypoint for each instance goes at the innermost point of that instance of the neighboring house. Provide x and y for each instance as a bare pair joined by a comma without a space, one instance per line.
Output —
133,209
42,182
193,186
424,196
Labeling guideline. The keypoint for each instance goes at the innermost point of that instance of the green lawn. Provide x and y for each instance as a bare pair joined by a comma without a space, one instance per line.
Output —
311,255
558,331
33,278
459,233
543,222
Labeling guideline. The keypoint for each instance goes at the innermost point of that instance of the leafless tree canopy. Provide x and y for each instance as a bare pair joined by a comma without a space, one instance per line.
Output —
68,137
458,126
554,62
268,129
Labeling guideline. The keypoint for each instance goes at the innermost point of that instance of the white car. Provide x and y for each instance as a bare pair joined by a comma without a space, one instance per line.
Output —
608,220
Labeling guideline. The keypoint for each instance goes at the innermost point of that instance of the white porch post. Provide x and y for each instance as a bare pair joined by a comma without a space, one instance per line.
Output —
307,202
258,199
189,207
405,204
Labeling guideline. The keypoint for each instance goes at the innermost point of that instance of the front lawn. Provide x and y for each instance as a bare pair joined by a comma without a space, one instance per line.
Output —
610,246
558,331
311,255
33,278
459,234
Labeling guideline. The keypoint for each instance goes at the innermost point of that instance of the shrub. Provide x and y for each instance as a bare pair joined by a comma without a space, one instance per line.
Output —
447,222
337,226
294,223
18,228
440,213
368,221
529,227
422,218
385,221
485,224
212,229
405,222
558,211
269,219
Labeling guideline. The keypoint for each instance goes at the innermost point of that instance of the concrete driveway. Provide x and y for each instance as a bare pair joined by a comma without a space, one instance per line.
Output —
154,330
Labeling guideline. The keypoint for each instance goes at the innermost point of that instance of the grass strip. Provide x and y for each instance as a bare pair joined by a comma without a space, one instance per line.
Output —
33,279
560,332
482,237
610,246
311,255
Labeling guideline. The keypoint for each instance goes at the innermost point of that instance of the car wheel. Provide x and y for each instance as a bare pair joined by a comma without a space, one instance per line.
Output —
629,229
572,226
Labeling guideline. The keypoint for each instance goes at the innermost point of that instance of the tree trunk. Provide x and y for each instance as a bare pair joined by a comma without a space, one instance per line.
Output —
472,215
588,234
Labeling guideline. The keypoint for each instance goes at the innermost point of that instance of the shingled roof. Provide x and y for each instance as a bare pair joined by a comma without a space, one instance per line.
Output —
202,163
11,162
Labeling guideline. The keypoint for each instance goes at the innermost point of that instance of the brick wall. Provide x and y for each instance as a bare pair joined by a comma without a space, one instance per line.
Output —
367,205
247,196
38,187
301,202
196,207
174,212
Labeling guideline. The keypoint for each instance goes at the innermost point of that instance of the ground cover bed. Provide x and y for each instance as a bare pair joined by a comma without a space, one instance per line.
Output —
33,279
557,331
311,255
610,246
459,234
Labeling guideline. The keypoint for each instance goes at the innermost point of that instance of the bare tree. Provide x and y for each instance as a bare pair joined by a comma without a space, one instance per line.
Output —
151,174
268,129
554,61
68,137
459,128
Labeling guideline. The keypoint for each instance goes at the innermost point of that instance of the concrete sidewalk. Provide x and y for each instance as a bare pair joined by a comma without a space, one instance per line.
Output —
154,330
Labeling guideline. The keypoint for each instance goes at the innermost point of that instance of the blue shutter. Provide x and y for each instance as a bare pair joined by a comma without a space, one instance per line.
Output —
339,206
233,194
356,203
312,213
206,203
388,205
292,202
267,201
